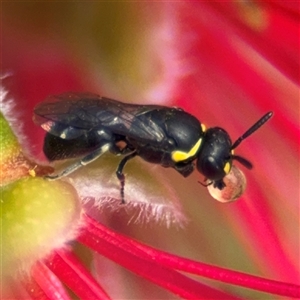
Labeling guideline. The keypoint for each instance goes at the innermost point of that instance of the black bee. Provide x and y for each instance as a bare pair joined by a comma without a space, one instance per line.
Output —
87,125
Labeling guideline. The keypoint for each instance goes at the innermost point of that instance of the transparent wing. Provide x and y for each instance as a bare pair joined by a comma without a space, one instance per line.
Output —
70,115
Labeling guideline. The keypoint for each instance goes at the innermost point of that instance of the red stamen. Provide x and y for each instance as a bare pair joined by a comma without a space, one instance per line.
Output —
105,243
98,236
71,271
46,285
34,290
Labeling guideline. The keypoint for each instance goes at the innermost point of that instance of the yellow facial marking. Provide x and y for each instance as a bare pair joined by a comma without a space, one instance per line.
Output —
227,168
203,127
178,156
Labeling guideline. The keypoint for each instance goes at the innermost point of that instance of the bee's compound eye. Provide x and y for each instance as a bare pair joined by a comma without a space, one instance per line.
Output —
235,182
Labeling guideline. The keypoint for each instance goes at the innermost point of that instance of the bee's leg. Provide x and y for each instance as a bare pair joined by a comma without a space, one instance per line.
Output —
120,174
83,162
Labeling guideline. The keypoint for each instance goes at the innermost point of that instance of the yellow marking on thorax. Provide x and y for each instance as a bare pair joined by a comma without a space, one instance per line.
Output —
178,156
203,127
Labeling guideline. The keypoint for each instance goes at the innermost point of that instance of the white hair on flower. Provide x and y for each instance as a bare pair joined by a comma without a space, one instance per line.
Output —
10,112
146,201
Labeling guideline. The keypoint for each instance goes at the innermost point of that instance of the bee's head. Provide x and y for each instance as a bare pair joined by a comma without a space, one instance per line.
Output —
214,160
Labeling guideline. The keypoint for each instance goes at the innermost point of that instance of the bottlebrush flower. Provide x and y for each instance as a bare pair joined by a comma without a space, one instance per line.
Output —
225,63
39,218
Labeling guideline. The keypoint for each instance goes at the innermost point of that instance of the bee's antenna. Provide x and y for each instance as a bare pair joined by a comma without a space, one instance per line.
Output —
253,128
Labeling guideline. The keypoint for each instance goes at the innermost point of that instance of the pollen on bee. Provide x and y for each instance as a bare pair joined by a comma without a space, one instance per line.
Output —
63,135
32,172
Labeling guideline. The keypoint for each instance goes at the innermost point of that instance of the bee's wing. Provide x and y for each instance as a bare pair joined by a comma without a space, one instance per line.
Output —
70,115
